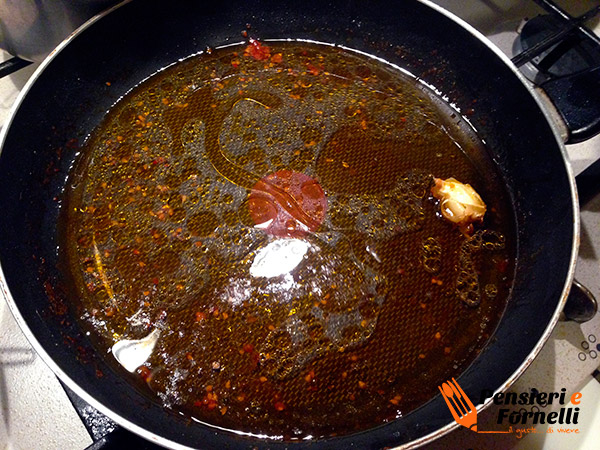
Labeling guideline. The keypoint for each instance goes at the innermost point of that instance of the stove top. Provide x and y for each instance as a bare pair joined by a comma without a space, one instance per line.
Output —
36,412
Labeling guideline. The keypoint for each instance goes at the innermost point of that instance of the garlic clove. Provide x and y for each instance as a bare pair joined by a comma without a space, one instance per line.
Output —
132,353
460,203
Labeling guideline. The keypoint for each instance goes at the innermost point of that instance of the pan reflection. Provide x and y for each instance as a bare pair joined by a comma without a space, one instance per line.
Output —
279,257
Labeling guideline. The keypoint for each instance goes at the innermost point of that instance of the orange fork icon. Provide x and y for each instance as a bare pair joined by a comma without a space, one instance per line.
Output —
461,406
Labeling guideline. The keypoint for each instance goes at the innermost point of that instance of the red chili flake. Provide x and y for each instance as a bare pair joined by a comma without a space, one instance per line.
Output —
72,144
437,281
57,305
279,406
502,265
210,401
255,359
362,384
276,58
310,376
145,373
312,69
244,34
258,51
248,348
396,400
200,316
235,63
155,281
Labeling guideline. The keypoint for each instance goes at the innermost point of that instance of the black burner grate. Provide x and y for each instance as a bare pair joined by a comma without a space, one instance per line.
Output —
12,65
105,434
558,53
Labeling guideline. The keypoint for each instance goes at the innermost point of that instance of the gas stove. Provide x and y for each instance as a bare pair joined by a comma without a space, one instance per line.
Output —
37,412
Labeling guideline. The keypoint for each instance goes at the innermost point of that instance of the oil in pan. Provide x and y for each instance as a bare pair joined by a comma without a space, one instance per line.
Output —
252,233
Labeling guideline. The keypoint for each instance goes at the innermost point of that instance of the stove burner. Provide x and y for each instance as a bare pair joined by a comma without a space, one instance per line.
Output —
105,434
570,54
559,54
12,65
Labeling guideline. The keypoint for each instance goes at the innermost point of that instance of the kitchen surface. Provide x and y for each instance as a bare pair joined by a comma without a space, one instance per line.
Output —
36,413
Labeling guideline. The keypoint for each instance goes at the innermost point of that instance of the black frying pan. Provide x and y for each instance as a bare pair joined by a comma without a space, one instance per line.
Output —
69,96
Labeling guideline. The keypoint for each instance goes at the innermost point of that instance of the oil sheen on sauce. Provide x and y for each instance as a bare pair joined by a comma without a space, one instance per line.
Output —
264,214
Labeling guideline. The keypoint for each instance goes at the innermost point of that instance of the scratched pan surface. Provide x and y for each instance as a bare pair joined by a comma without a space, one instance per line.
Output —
70,97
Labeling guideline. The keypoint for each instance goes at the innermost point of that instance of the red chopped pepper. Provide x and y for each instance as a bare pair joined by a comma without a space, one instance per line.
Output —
313,70
279,406
258,51
145,373
502,265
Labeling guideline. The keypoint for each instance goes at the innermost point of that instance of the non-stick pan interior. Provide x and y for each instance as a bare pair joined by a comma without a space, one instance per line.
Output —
106,60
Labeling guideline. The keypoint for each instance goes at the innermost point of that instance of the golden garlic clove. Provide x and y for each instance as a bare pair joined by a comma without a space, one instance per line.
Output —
459,202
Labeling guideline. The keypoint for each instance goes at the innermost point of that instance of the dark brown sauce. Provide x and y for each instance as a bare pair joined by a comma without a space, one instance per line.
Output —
162,233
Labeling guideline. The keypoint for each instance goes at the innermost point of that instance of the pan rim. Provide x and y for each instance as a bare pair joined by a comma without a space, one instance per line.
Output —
6,294
550,119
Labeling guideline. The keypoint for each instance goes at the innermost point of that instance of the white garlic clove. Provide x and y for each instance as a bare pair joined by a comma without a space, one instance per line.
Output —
132,353
459,202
